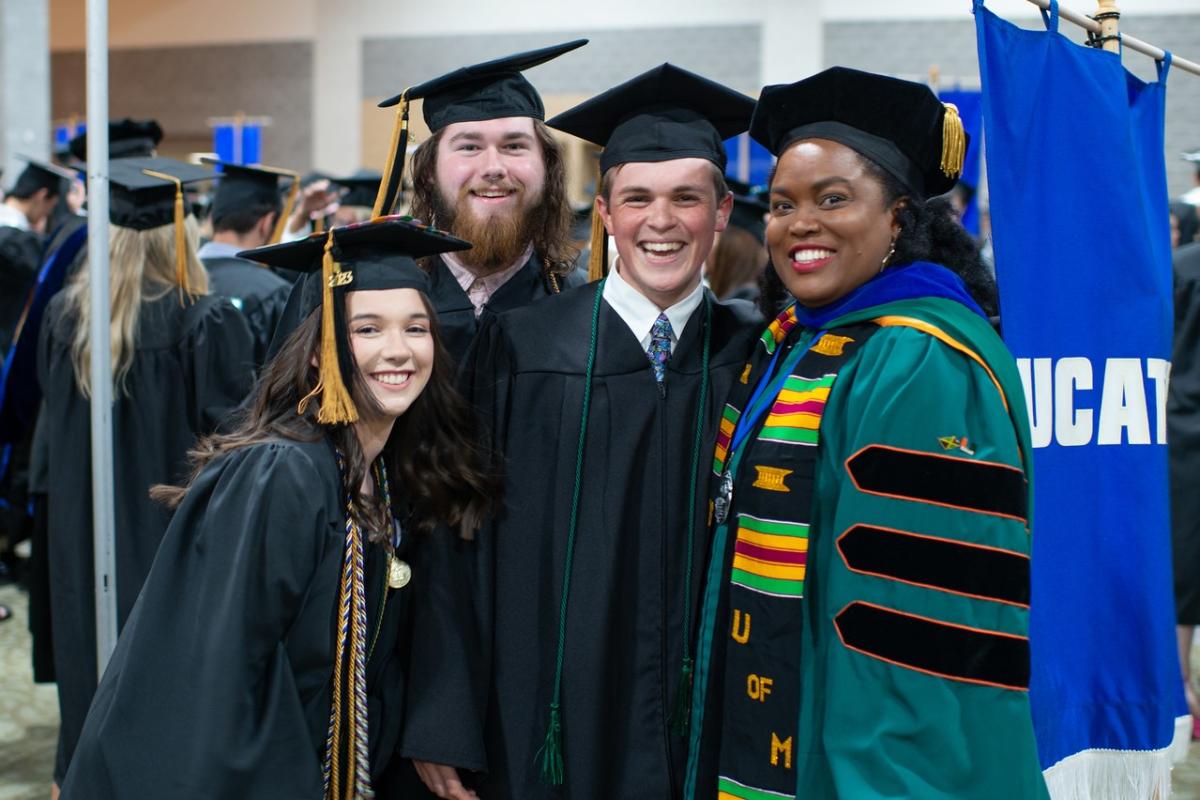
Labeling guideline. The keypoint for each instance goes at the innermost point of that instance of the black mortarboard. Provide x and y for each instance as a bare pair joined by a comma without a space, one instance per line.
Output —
900,125
127,138
148,193
361,188
40,175
749,208
370,256
244,186
492,90
660,115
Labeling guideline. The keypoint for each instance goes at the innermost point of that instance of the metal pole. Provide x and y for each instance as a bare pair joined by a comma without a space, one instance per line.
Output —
1129,41
103,518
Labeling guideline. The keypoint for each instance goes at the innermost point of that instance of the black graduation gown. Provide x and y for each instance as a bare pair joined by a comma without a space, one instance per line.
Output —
525,374
220,686
456,315
192,366
20,258
254,290
1183,435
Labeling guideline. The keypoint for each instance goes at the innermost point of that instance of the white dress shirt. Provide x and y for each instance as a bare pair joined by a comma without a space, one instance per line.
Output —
12,218
639,313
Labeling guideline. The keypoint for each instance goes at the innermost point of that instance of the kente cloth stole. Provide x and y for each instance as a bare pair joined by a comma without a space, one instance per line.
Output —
768,522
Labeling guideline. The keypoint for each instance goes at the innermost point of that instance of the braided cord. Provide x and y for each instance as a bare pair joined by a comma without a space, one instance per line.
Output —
551,750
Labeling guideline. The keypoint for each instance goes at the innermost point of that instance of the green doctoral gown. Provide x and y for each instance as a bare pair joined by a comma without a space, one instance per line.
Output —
906,592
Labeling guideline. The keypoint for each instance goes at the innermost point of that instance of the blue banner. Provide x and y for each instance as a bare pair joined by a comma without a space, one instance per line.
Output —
1079,219
238,144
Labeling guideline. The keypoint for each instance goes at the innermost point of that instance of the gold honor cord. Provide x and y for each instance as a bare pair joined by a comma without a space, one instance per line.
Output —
385,199
181,272
337,407
954,142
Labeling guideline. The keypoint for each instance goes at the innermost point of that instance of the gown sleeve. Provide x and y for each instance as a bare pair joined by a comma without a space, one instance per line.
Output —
923,619
221,364
200,699
450,667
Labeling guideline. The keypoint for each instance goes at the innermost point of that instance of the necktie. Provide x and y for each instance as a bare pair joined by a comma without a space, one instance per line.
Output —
659,351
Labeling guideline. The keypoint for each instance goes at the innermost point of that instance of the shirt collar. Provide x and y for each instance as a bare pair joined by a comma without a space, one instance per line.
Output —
218,250
12,218
639,313
492,281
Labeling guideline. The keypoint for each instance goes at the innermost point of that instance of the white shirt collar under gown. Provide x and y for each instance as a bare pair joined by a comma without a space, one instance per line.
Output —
640,313
12,218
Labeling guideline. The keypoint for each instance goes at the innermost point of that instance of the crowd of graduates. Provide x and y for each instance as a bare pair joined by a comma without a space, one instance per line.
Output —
732,504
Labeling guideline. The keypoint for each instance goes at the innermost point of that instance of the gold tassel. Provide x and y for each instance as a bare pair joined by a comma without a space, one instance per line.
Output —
181,271
337,407
319,225
399,142
289,205
954,142
598,258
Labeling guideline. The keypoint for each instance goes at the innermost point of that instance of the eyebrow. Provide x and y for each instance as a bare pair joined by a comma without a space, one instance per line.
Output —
358,317
644,190
826,182
475,136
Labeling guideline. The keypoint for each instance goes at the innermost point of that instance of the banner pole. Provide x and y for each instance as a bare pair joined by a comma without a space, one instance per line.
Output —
1109,17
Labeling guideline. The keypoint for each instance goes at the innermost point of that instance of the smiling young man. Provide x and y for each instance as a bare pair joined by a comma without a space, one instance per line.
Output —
604,401
492,174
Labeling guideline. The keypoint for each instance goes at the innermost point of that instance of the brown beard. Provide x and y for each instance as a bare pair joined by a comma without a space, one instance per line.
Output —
497,240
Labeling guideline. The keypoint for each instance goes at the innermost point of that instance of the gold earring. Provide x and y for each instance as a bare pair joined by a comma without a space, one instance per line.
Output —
891,252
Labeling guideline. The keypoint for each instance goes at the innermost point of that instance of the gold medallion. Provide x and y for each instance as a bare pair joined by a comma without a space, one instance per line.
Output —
399,573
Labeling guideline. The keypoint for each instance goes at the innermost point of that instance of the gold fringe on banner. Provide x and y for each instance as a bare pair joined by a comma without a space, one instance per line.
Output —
337,407
181,272
954,142
383,203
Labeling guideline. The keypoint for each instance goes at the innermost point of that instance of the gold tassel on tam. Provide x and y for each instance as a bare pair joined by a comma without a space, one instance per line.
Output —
954,142
181,272
289,205
385,200
598,257
337,407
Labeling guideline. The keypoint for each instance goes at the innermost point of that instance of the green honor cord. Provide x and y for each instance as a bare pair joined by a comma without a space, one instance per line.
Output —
552,769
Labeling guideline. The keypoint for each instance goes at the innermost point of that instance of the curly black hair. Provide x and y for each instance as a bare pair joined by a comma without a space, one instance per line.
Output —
929,231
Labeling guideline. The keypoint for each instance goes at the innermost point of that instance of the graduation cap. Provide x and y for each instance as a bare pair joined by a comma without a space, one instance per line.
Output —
660,115
40,175
361,188
900,125
370,256
491,90
148,193
244,186
749,207
127,138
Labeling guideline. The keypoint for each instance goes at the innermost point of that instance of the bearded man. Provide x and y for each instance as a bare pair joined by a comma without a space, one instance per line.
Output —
492,174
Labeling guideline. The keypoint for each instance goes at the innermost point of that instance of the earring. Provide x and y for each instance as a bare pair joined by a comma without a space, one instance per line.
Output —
891,252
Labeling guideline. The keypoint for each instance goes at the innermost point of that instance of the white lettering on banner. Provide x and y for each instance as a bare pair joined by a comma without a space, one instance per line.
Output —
1057,412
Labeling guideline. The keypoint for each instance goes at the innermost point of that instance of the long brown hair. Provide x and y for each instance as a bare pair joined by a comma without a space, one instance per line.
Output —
552,238
432,454
737,260
142,269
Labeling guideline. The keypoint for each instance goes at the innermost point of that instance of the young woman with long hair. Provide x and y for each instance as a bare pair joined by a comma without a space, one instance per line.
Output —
181,360
267,653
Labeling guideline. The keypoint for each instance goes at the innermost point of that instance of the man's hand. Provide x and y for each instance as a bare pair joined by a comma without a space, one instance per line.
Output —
443,781
316,200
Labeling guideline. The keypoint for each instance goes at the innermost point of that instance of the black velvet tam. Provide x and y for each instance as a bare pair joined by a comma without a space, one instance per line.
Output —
127,138
142,201
895,123
661,115
491,90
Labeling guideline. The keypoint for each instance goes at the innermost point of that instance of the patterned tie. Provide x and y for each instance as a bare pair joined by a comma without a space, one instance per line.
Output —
659,351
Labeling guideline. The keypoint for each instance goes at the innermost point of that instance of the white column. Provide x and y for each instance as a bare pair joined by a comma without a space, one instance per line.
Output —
24,83
337,88
793,39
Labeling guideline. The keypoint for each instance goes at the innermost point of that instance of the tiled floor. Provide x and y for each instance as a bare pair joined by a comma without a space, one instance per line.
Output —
29,719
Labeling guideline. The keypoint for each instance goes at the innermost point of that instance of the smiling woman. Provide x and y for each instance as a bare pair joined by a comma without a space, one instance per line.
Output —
871,527
266,655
